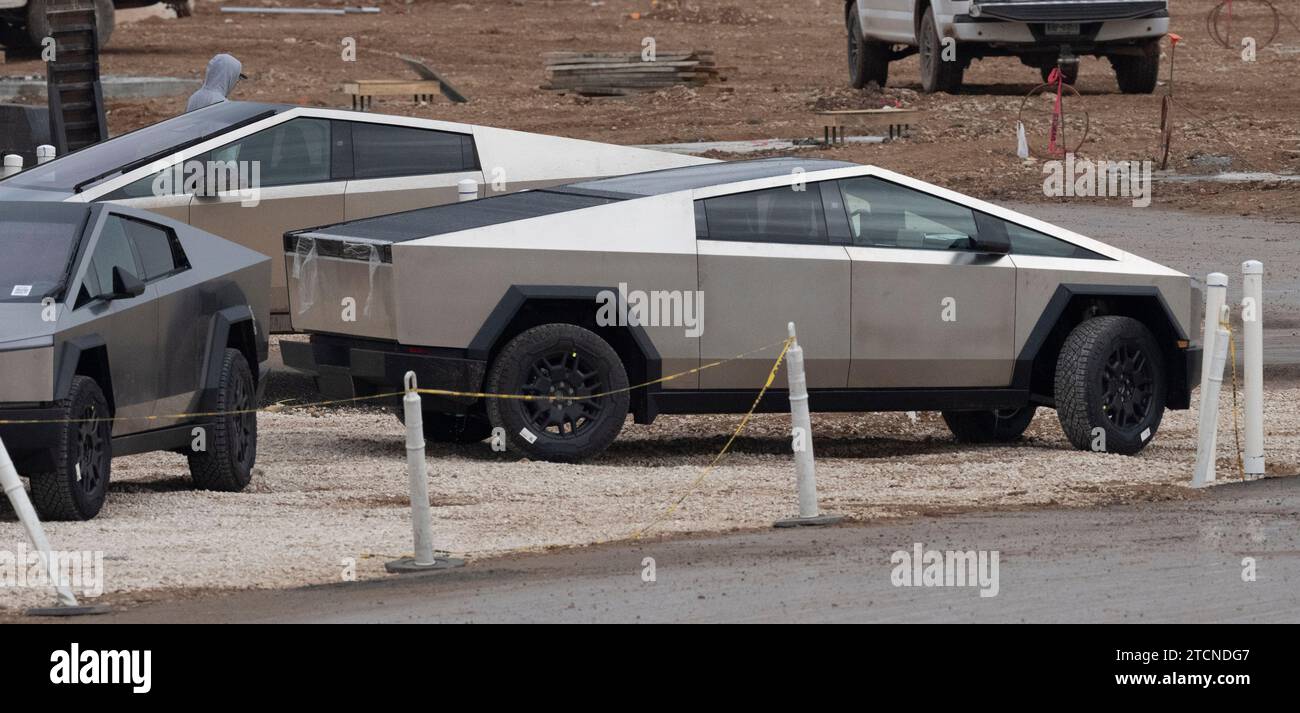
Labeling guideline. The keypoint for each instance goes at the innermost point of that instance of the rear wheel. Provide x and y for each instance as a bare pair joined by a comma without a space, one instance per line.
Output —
868,59
566,361
1138,74
1110,385
937,75
230,443
78,485
998,426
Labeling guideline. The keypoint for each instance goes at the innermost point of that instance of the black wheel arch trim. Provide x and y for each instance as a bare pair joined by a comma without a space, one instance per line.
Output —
219,337
1065,293
69,359
518,296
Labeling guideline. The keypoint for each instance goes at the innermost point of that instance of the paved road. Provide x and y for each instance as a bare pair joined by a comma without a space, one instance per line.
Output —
1170,561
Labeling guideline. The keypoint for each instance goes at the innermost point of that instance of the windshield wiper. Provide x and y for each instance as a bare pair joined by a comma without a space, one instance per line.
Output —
127,168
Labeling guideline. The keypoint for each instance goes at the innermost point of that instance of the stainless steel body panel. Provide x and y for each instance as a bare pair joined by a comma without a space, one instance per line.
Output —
901,332
744,312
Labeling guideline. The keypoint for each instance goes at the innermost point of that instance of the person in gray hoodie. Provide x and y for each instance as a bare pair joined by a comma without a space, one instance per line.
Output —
223,74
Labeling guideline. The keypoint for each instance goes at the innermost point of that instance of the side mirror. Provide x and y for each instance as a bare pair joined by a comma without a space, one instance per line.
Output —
125,285
993,238
998,245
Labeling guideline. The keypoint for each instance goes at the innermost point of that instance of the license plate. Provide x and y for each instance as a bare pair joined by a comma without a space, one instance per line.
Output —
1062,28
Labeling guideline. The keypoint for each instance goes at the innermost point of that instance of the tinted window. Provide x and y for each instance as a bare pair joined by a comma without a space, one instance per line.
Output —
775,215
380,151
296,151
64,173
160,251
884,214
1025,241
35,255
113,250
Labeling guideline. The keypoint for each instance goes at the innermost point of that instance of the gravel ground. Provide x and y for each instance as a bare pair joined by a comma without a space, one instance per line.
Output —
331,488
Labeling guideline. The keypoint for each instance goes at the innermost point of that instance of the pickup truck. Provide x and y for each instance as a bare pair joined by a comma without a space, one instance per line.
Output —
949,34
23,23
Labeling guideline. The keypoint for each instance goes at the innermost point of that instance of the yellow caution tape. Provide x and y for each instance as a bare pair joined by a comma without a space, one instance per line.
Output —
283,406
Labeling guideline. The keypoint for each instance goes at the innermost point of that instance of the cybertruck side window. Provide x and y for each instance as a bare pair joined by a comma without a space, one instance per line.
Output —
159,249
1025,241
295,152
774,215
382,151
113,250
887,215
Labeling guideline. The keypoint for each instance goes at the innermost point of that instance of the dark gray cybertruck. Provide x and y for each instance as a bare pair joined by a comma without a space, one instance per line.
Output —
112,321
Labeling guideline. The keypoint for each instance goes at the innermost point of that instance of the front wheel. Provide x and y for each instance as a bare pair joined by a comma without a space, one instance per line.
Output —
83,460
578,393
1110,385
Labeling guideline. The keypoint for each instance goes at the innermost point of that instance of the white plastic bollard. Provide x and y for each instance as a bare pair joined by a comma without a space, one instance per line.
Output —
805,466
467,190
44,154
1207,441
417,469
1216,294
13,488
13,163
1252,319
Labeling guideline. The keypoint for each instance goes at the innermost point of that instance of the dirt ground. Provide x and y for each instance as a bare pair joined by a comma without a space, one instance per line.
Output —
781,61
330,492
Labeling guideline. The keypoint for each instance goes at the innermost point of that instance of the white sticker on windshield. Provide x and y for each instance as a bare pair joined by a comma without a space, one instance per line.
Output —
21,291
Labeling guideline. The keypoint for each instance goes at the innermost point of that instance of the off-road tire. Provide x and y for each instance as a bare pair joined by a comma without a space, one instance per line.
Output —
868,59
1138,74
1086,378
936,74
38,25
519,369
70,492
231,439
1001,426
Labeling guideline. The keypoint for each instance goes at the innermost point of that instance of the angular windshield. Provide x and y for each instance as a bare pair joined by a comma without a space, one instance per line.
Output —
38,249
81,169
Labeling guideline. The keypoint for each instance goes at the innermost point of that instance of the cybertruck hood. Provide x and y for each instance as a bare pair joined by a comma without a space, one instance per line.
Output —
22,326
27,194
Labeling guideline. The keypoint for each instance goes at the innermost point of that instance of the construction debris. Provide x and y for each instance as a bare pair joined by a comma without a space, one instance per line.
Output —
624,73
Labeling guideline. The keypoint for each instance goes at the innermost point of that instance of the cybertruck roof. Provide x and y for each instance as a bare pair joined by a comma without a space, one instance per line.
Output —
671,180
440,220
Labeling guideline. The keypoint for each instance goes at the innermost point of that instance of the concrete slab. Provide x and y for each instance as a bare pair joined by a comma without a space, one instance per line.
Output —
115,87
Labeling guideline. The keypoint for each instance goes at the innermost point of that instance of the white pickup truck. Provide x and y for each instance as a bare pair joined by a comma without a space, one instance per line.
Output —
949,34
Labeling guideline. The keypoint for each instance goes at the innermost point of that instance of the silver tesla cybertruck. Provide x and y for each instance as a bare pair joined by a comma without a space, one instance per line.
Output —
248,172
906,296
